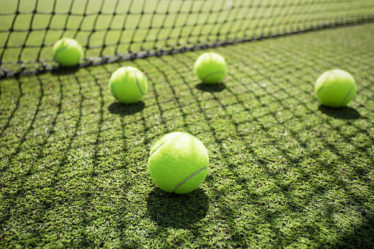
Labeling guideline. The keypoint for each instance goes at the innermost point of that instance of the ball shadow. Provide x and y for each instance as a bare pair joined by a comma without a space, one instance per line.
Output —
178,211
126,109
340,113
60,70
211,87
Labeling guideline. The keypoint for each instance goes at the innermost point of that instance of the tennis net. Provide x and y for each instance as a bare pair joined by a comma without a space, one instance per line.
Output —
113,30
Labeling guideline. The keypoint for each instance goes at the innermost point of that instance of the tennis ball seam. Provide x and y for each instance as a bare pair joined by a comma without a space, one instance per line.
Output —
324,82
188,178
211,74
346,96
164,143
65,45
59,51
138,85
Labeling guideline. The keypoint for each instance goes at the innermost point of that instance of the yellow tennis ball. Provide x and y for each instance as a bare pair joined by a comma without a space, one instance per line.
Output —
335,88
67,52
178,163
128,85
210,68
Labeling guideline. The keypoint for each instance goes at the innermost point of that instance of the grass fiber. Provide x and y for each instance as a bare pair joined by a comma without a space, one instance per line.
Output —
285,172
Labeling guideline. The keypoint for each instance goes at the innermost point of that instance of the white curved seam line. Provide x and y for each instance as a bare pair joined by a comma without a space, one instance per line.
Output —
319,90
209,75
159,147
138,85
60,50
346,96
324,83
188,178
162,145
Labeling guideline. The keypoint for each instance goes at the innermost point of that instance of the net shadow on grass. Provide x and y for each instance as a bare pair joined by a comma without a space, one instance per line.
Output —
171,107
45,205
344,113
219,87
23,139
285,153
229,211
328,144
178,211
16,106
361,237
126,109
340,113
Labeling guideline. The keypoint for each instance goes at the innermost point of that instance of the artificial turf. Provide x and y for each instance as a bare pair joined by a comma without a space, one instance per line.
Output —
284,171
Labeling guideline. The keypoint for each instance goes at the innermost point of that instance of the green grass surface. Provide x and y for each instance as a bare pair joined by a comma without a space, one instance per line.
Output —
284,172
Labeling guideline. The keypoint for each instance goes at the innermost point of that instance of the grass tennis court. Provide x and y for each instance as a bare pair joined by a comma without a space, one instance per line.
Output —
284,171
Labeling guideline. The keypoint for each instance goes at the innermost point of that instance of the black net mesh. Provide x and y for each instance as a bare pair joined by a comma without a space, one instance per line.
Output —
113,30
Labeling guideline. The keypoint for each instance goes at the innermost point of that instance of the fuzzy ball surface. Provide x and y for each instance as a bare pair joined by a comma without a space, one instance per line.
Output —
67,52
178,163
335,88
210,68
128,85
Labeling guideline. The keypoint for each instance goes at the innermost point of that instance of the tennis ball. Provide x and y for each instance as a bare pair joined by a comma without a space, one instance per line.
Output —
128,85
335,88
178,162
210,68
67,52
